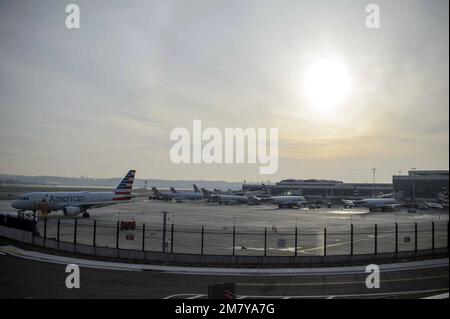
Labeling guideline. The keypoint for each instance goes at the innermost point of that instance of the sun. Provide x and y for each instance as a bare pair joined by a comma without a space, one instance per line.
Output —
327,84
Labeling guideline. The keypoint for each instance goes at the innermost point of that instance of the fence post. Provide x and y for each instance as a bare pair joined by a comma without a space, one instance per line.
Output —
376,239
203,235
171,239
351,239
45,227
143,236
75,231
415,236
234,238
432,235
94,235
396,238
296,237
57,233
265,241
117,235
325,241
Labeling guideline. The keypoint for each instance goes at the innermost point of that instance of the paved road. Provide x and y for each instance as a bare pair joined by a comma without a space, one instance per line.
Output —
25,278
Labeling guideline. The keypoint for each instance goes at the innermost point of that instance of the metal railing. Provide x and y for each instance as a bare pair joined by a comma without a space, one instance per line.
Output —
350,239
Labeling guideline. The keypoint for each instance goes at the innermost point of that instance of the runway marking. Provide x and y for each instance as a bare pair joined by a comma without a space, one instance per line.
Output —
196,296
341,244
343,270
440,296
339,282
379,294
192,296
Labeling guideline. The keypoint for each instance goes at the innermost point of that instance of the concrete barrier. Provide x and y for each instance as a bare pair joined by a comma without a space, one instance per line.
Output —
193,259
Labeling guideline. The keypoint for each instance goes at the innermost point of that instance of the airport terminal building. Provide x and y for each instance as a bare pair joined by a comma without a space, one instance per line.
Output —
429,185
313,189
422,185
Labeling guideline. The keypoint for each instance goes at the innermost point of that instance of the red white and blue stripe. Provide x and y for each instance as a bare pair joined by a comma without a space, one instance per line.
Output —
125,186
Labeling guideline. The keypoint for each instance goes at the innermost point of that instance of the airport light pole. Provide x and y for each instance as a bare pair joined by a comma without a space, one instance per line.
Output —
413,196
164,231
373,173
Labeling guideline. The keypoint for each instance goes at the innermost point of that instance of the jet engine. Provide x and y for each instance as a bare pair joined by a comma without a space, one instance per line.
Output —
71,210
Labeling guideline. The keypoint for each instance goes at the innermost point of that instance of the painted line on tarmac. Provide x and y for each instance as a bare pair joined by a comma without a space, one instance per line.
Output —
379,294
340,282
440,296
37,256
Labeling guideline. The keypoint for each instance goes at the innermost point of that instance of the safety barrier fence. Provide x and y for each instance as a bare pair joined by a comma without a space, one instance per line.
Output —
350,239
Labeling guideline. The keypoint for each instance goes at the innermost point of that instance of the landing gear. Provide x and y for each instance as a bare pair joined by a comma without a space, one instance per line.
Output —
86,215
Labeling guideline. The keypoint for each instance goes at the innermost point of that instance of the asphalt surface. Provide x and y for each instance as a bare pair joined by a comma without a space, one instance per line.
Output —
250,221
24,278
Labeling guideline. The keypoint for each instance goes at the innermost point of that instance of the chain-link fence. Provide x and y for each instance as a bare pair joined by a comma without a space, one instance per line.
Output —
234,240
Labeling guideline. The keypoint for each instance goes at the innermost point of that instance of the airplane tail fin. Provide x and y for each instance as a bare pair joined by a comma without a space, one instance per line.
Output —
125,186
196,189
173,190
155,191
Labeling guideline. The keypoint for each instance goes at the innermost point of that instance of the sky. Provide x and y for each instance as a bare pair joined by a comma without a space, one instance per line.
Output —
102,99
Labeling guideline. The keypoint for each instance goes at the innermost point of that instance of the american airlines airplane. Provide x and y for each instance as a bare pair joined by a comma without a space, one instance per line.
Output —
74,203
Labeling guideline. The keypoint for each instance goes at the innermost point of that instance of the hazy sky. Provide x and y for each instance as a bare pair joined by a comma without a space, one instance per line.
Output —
102,99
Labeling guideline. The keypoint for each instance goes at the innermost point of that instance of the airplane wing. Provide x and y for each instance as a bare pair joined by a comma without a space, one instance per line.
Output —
348,202
433,205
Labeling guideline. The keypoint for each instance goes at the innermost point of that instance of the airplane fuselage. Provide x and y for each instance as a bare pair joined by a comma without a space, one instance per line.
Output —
59,200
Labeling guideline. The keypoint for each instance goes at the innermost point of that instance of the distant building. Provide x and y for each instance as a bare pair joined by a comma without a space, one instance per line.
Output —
313,189
421,185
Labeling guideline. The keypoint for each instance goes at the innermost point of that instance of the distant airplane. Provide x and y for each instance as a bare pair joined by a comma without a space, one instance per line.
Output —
229,199
178,196
373,204
286,201
74,203
162,195
283,201
434,205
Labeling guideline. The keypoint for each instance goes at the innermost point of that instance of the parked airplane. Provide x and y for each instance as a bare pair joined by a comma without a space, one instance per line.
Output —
74,203
283,201
434,205
178,196
229,198
373,204
287,201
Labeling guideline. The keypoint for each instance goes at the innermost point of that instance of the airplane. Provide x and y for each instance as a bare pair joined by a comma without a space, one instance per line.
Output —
230,199
74,203
178,196
283,201
434,205
373,204
162,195
286,201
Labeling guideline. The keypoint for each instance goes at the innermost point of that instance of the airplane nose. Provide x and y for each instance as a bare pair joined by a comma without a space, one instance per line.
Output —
15,204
